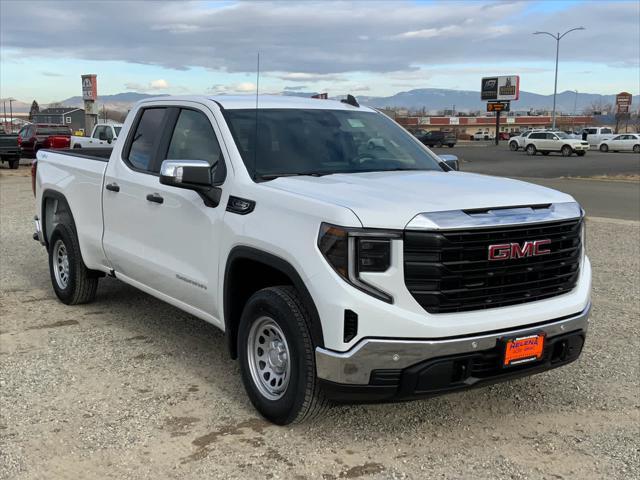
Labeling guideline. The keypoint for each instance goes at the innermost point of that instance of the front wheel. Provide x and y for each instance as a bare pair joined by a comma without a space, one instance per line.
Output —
513,146
277,357
636,148
604,148
451,145
72,281
531,149
566,151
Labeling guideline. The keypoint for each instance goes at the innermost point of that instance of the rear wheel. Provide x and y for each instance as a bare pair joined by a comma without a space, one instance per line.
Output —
513,146
439,144
566,151
531,149
604,147
72,281
277,357
77,146
14,164
451,145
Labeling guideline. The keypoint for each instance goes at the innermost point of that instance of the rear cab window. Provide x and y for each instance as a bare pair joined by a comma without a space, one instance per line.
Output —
144,142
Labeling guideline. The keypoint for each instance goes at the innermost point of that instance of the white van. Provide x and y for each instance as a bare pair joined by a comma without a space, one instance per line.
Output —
595,135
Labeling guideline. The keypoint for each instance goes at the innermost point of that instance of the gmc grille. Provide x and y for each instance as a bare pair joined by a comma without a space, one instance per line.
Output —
448,271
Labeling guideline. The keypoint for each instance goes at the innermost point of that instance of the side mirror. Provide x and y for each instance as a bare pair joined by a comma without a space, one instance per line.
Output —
451,161
191,175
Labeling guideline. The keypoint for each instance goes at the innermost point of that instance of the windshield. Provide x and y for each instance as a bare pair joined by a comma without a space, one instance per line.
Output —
561,134
322,142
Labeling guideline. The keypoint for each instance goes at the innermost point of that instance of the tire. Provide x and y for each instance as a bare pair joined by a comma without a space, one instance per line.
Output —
292,396
604,148
451,145
545,153
531,149
439,144
581,154
636,148
72,281
513,146
77,146
14,164
566,151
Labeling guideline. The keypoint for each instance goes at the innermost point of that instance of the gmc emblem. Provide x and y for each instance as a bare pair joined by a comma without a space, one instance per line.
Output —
506,251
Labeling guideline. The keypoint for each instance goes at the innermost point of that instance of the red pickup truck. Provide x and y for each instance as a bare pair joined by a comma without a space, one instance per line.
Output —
40,135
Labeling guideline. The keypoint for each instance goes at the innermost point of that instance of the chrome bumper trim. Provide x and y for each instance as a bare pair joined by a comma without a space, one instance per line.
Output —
38,235
355,366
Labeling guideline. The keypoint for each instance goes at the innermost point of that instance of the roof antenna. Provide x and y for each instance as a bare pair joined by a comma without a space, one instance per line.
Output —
255,138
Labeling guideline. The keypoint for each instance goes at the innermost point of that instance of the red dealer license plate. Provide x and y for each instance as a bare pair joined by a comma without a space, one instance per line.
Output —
523,349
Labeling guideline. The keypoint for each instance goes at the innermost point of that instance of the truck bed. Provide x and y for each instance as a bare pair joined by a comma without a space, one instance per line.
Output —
99,154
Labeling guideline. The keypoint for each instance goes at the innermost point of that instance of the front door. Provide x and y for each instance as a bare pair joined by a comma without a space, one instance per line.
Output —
163,237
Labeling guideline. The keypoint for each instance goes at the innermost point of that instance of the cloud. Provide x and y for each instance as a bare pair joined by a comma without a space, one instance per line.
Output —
52,74
153,85
311,42
225,89
296,88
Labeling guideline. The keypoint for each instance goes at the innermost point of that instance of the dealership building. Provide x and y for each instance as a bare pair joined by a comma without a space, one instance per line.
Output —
487,124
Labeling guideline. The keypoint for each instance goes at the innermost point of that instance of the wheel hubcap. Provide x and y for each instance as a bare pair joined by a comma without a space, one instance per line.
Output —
269,359
61,264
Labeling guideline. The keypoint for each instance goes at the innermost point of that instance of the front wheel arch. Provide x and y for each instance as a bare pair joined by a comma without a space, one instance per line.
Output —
267,270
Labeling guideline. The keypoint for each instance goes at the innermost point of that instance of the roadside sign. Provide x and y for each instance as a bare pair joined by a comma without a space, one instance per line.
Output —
505,87
496,106
424,121
89,87
454,121
623,102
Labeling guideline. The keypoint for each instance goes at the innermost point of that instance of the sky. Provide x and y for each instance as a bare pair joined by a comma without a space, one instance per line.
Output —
362,47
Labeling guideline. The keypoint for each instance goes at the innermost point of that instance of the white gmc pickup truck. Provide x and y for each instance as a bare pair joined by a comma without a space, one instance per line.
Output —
338,272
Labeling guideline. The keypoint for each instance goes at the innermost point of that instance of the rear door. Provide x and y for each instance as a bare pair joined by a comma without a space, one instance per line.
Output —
164,238
552,143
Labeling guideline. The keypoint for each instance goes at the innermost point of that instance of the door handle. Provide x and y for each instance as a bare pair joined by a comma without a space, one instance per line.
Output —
155,198
113,187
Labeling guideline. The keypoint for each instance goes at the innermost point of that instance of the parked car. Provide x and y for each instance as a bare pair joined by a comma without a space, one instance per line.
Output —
546,142
338,273
595,135
9,148
483,136
626,142
34,137
102,136
437,139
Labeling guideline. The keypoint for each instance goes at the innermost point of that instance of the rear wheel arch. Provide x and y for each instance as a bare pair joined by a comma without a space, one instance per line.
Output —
55,211
248,270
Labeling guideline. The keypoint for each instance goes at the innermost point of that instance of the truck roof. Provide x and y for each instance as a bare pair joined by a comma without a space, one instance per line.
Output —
236,102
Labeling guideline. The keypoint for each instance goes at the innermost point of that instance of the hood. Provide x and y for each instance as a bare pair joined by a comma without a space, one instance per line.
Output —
392,199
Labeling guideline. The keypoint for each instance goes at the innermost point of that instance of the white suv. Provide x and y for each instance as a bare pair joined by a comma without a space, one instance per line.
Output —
546,142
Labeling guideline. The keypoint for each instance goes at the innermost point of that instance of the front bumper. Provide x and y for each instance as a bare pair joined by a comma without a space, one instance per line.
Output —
380,369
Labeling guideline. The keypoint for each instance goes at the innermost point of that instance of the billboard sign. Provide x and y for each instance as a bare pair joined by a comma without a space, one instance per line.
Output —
623,102
505,87
495,106
89,87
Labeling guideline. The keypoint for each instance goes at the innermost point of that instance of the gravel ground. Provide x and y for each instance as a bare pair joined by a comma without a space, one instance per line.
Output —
129,387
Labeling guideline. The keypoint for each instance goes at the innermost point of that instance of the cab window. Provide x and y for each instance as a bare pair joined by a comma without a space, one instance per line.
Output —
146,137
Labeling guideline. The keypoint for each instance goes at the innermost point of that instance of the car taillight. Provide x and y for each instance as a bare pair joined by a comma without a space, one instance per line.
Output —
19,141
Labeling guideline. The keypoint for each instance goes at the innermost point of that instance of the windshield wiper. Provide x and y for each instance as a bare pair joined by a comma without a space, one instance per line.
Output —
273,176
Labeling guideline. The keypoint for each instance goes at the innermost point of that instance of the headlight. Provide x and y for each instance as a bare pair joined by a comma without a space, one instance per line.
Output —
351,251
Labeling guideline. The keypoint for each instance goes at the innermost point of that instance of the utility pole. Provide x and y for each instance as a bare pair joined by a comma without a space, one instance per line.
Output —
4,107
11,100
557,37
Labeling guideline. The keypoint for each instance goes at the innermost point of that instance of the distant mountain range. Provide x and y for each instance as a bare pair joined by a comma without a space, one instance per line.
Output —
431,99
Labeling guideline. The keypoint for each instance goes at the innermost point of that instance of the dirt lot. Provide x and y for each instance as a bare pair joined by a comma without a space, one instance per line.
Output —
129,387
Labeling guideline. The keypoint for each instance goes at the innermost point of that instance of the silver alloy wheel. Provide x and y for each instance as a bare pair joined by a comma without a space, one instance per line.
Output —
61,264
269,359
